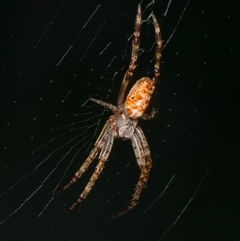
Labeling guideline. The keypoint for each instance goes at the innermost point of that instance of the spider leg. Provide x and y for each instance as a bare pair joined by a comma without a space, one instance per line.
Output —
132,65
144,161
158,50
103,156
103,137
142,139
110,106
151,115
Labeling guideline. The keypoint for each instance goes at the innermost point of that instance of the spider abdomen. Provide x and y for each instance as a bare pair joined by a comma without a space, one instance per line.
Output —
139,97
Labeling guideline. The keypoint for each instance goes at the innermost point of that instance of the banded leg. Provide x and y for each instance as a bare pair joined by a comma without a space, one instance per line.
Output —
93,154
110,106
144,161
132,65
158,50
102,160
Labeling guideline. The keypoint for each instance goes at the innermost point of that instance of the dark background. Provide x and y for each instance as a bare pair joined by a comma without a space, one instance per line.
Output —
197,127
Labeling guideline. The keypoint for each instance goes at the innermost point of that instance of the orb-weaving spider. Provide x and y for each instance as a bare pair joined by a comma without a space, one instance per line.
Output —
124,123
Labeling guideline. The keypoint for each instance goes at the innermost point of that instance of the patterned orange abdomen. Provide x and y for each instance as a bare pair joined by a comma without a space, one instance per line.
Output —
139,97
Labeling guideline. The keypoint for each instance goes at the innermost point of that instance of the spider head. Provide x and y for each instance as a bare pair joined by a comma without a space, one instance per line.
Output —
123,126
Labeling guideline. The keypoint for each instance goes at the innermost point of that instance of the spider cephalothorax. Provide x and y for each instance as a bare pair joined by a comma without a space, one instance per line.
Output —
124,123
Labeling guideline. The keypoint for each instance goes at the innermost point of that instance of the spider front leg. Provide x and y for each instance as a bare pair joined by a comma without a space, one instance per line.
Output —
142,153
104,135
103,156
141,184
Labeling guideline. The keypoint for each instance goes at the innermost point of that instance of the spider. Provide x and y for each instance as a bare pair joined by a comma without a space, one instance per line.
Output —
124,122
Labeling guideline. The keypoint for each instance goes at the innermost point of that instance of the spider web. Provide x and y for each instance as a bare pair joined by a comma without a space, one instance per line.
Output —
55,56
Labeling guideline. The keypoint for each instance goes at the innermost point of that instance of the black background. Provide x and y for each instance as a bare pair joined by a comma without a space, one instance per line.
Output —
197,127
